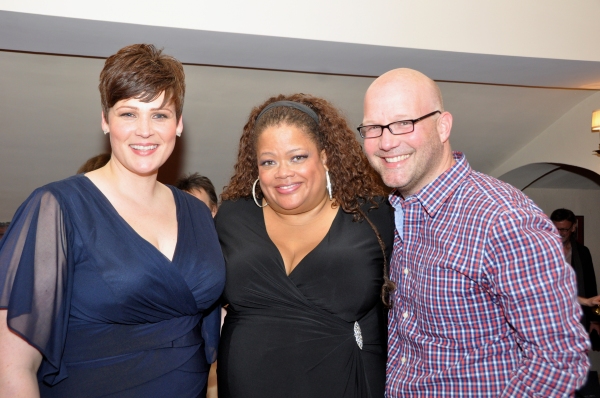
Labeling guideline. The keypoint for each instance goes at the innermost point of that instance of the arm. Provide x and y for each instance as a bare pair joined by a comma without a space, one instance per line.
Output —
589,302
537,292
19,363
34,290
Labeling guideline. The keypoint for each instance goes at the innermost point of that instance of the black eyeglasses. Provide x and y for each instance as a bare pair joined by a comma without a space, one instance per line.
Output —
396,128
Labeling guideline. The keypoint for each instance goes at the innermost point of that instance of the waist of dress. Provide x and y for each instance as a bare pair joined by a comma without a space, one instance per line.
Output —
97,341
274,323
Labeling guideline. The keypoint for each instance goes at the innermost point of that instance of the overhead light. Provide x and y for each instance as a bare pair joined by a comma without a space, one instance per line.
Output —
596,120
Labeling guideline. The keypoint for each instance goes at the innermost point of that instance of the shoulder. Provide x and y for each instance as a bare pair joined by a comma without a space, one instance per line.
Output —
490,199
583,250
232,212
380,212
57,192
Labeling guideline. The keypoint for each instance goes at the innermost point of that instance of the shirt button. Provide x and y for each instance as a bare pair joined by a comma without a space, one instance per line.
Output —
405,271
403,360
405,315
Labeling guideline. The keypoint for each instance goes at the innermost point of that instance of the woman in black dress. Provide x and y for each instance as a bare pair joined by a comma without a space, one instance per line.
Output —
305,234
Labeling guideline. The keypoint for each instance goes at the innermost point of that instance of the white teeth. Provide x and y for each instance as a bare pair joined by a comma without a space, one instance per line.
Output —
144,147
396,159
287,186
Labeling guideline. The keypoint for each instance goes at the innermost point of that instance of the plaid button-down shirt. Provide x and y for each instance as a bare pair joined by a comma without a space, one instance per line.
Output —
485,305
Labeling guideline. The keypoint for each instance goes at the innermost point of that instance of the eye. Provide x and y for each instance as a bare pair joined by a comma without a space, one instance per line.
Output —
299,158
127,114
161,116
267,163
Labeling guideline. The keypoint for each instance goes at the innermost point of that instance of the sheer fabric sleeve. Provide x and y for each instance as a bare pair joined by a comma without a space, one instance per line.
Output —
34,280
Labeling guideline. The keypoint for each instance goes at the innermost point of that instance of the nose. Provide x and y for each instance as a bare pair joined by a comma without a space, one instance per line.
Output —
144,127
284,171
388,140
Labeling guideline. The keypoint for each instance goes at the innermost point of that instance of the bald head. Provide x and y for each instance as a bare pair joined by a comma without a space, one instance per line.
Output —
423,91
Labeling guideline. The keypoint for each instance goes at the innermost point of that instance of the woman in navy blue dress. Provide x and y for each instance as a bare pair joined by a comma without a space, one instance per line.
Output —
109,280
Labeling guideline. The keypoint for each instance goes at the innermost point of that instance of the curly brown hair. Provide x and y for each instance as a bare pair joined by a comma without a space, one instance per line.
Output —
353,181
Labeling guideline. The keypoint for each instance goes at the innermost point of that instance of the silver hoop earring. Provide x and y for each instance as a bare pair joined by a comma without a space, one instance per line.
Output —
328,184
254,194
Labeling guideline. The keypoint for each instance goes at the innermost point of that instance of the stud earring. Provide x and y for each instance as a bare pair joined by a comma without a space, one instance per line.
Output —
105,132
178,134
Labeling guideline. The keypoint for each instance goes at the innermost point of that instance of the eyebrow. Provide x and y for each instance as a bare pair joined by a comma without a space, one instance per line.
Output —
287,153
152,109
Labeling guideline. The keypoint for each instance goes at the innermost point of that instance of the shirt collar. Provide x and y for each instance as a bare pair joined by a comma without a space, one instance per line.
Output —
433,195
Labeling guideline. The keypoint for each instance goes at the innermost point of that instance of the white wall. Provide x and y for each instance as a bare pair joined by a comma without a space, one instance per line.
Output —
569,140
535,28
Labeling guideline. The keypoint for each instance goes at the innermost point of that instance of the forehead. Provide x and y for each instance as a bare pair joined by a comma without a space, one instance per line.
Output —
563,224
394,101
284,136
200,194
138,102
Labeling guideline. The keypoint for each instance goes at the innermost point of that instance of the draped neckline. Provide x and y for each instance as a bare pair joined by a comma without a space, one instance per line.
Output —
263,225
111,209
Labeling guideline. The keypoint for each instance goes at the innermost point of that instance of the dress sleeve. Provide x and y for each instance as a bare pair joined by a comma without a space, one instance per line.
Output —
34,280
211,329
537,292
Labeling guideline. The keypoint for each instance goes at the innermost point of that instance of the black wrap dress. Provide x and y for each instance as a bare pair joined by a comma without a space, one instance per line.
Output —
111,315
319,332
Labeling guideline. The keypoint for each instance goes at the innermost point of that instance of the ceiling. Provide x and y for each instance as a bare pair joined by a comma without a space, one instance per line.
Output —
50,106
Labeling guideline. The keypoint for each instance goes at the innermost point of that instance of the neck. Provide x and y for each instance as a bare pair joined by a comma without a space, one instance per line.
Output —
135,186
303,218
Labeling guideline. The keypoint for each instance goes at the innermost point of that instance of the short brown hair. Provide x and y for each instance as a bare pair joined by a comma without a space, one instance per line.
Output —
196,181
141,71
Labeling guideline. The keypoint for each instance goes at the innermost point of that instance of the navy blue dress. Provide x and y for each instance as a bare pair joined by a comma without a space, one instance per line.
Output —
111,315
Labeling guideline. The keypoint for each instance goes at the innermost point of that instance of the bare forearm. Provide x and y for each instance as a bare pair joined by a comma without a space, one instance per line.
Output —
18,384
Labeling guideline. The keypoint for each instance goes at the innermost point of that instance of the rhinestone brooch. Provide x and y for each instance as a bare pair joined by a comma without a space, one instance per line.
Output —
358,335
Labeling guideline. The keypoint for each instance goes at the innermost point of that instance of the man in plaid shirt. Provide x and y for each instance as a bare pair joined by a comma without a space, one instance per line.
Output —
485,305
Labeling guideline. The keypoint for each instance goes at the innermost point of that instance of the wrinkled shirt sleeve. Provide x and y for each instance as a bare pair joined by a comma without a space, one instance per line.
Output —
537,292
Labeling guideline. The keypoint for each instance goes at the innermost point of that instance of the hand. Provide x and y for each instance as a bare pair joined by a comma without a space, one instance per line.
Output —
589,302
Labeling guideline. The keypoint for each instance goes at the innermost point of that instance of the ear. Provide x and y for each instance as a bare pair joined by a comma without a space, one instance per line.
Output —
323,157
444,126
179,126
104,122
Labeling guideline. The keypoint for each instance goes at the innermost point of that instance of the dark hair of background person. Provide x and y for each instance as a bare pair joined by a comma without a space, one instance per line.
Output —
353,180
196,181
154,73
562,215
94,163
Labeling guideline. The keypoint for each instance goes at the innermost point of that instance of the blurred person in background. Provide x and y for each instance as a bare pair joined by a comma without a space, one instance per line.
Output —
202,188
